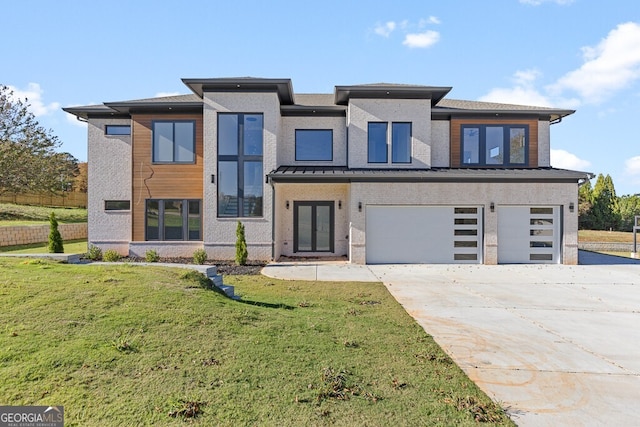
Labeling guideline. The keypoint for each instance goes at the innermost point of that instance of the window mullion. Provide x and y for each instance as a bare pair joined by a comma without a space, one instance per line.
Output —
240,165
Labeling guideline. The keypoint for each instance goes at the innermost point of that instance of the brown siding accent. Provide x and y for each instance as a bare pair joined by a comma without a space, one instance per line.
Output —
161,181
455,142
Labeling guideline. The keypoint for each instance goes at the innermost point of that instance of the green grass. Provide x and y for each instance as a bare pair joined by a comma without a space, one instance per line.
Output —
128,345
11,214
605,236
70,247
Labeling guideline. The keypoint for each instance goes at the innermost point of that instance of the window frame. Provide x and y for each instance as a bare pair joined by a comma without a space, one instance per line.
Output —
240,159
185,220
108,128
114,205
172,162
330,131
506,145
386,142
410,142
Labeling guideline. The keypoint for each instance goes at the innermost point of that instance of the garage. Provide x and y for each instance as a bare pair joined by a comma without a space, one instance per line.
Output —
423,234
529,235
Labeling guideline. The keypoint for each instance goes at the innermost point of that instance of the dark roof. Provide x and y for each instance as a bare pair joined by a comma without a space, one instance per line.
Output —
283,87
344,174
390,91
448,107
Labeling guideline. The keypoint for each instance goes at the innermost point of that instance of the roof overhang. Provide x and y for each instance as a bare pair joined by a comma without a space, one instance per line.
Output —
282,87
321,174
383,91
87,111
132,107
552,115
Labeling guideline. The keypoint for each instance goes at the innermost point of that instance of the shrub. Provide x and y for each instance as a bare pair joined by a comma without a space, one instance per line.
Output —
111,256
55,239
241,245
94,253
199,256
151,256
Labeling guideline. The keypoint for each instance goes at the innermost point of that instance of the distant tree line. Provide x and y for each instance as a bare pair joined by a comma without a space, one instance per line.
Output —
29,162
600,209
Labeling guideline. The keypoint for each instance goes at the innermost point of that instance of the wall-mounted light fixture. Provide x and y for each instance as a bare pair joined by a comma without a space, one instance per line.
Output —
213,179
571,207
287,204
492,206
359,206
339,204
266,179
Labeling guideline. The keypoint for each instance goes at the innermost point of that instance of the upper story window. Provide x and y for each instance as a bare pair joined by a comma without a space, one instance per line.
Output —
378,147
491,145
240,169
174,141
314,144
117,130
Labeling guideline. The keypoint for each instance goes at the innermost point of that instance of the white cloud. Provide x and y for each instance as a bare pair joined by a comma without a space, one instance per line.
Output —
433,20
539,2
564,160
522,93
33,96
385,29
163,94
421,40
632,166
610,66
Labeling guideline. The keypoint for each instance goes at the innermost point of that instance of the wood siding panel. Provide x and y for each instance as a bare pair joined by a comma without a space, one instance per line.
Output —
455,142
161,181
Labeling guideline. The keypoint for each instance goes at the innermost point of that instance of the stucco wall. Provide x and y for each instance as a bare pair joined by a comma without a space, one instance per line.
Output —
109,178
26,234
338,193
440,143
482,194
544,144
363,111
220,233
287,141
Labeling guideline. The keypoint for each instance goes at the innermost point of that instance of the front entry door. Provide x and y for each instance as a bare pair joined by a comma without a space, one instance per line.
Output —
313,224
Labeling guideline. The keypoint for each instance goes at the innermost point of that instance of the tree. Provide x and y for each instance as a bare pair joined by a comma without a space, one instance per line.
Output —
28,158
629,208
55,239
241,245
81,180
605,212
585,203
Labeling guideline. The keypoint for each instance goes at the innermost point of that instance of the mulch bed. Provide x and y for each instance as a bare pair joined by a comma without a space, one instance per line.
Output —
225,267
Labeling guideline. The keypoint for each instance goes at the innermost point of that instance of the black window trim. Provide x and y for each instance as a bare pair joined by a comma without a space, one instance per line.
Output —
506,127
114,126
240,158
386,158
115,208
185,220
174,162
410,143
312,130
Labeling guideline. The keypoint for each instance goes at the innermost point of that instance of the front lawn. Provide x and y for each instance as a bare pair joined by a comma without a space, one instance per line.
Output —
12,214
128,345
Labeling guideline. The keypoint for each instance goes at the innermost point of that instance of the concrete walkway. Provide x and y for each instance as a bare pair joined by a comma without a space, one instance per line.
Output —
554,345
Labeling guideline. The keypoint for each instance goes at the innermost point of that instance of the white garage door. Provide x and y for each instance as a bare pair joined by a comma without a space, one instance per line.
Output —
423,234
529,234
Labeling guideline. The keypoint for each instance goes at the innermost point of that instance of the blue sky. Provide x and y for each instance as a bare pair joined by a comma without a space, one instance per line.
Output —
578,54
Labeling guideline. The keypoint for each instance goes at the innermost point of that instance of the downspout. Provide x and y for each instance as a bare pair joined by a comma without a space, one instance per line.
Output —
273,219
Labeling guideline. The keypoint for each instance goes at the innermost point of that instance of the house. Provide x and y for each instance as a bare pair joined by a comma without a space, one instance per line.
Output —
380,173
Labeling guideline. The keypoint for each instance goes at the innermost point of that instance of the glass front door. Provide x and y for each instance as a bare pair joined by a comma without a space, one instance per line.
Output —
313,226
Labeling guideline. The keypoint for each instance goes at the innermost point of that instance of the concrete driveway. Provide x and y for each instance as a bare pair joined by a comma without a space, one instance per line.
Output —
555,345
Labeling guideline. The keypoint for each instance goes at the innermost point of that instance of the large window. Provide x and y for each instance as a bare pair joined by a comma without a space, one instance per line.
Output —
314,144
173,220
240,170
174,141
378,147
492,145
